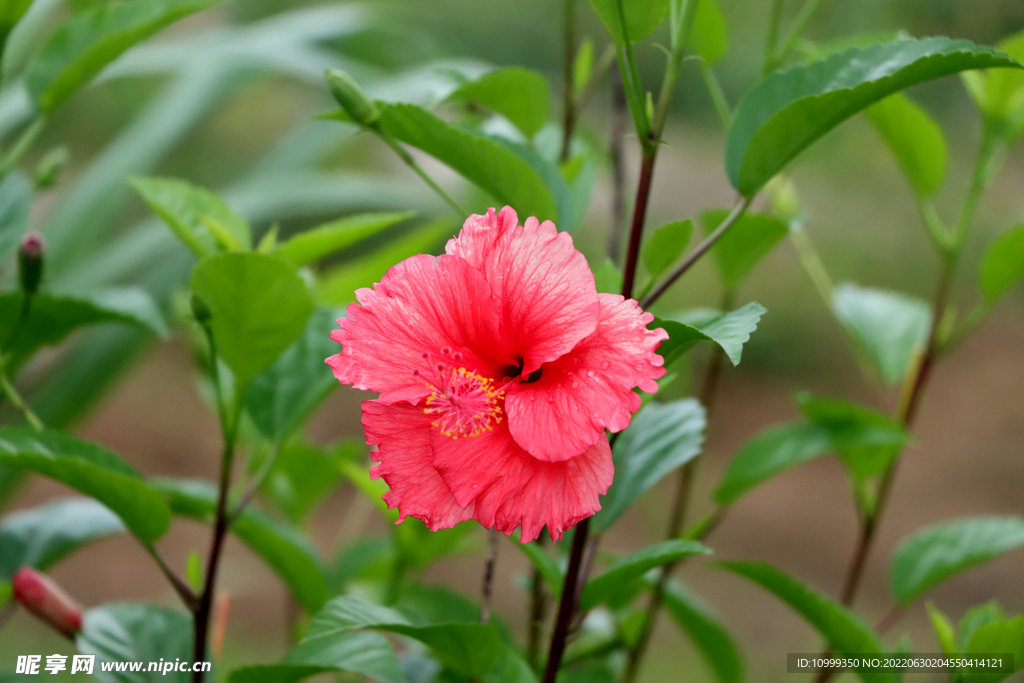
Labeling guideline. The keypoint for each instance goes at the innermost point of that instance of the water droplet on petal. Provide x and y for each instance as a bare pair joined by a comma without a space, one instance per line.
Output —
551,399
605,365
590,373
639,366
575,384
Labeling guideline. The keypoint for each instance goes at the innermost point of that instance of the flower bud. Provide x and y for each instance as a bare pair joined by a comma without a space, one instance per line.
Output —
200,311
41,596
30,262
50,166
352,98
785,202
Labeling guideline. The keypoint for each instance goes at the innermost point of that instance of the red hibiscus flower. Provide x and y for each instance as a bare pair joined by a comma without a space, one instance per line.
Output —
499,368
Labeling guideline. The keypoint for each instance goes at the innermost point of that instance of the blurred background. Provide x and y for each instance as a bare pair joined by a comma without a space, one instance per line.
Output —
226,98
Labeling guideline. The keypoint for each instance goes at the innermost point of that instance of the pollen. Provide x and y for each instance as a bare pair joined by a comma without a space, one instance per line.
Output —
465,403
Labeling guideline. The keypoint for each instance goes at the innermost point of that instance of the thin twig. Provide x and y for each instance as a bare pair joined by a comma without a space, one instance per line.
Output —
488,581
538,609
734,215
180,587
254,484
616,136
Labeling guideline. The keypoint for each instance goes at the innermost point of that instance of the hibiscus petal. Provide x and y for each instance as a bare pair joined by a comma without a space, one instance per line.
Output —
425,310
507,488
541,285
402,434
589,389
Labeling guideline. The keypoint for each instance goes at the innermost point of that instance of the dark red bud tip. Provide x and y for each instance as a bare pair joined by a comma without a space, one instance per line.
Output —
41,596
30,262
32,245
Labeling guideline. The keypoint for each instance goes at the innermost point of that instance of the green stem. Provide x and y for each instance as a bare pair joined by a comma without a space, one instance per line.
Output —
716,94
796,29
17,401
21,145
601,69
411,163
812,264
568,54
772,39
631,80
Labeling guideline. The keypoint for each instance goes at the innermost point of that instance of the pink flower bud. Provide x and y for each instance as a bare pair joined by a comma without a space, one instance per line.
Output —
30,262
41,596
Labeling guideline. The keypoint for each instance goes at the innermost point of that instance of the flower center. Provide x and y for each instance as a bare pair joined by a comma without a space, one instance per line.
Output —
465,403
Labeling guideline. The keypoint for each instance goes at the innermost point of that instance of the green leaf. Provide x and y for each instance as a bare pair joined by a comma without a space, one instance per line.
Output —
583,65
510,668
634,566
845,632
943,629
303,475
889,327
709,37
282,396
88,41
136,632
337,286
749,240
1003,265
15,208
866,439
1002,637
914,139
40,536
259,306
11,12
608,278
975,618
662,438
51,317
729,330
470,649
520,95
769,453
642,17
489,165
369,654
194,572
567,201
1000,93
287,551
91,470
938,552
363,558
665,245
705,630
791,109
545,564
198,217
312,245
